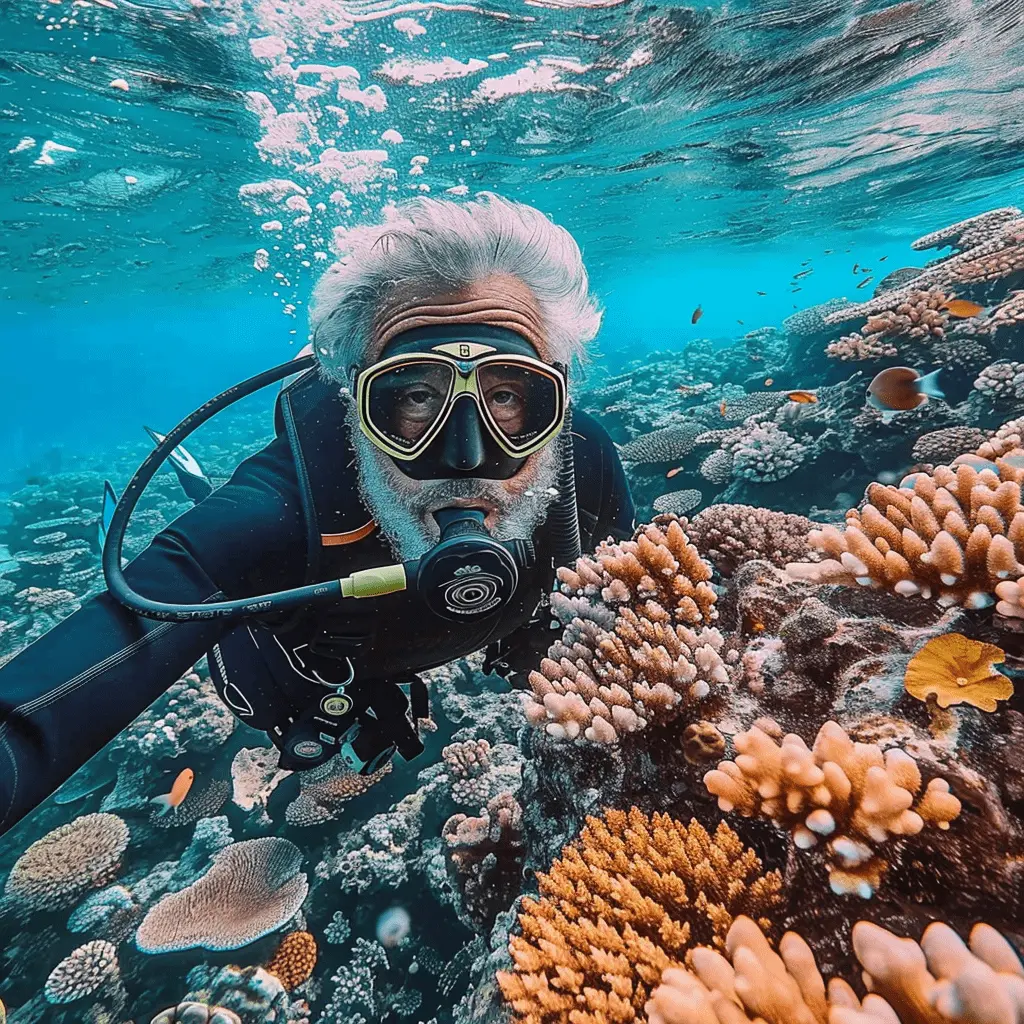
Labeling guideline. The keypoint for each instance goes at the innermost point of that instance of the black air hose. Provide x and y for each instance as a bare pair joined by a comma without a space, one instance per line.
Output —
564,514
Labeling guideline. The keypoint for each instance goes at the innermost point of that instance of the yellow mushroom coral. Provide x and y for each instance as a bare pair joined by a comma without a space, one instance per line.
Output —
957,670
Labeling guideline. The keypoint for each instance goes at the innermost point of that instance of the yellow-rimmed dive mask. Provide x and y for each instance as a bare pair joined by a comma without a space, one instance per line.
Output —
425,400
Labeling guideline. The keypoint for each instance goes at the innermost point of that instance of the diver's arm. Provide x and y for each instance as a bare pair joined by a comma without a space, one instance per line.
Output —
617,516
74,689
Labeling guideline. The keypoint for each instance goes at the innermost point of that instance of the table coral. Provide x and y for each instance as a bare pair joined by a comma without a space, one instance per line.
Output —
597,682
940,981
252,889
629,898
852,795
950,535
967,233
678,502
957,670
294,960
730,535
54,871
80,974
665,445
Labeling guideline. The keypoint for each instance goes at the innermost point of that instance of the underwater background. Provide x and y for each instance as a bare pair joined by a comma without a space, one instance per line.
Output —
772,767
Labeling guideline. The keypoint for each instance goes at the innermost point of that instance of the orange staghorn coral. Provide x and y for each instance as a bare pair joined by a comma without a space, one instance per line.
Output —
850,794
628,655
940,981
294,960
957,670
626,901
950,535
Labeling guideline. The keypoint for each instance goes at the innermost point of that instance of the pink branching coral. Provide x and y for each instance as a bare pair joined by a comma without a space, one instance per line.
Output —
635,657
486,853
940,981
951,535
1008,438
729,535
851,795
916,319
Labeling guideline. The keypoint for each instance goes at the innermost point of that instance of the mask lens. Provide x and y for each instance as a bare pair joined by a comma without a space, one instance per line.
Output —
521,403
406,401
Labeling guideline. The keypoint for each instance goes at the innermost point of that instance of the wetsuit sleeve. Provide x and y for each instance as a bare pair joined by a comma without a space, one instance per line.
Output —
617,514
74,689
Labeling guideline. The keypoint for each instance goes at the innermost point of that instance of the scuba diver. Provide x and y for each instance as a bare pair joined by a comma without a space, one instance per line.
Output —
426,479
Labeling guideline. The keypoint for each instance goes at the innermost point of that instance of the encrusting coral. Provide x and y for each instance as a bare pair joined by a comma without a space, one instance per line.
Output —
940,981
628,899
850,795
951,535
598,682
957,670
54,871
294,960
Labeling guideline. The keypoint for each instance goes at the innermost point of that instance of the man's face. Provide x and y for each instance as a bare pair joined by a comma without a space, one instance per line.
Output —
402,506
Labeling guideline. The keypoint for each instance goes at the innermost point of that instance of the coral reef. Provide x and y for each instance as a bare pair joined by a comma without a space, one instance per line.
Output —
957,670
943,446
87,969
626,901
294,960
326,789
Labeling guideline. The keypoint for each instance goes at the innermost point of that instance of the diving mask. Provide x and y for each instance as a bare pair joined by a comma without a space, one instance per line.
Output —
424,402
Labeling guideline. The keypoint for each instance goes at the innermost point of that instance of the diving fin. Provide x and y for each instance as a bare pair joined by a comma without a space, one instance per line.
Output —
193,479
109,504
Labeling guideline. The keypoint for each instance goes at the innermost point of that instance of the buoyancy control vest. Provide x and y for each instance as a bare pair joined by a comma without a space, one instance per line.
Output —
300,679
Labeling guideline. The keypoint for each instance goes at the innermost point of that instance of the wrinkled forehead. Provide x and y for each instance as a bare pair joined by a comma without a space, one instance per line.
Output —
500,301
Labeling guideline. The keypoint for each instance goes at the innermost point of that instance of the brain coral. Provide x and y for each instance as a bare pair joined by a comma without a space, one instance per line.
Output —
951,535
82,973
54,871
252,889
626,900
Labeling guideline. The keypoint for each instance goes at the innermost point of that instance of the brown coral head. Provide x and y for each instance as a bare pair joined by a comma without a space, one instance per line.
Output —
294,960
957,670
702,743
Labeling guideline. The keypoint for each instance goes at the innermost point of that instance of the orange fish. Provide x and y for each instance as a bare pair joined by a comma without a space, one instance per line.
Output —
802,397
672,472
182,784
962,308
721,408
769,382
900,388
697,314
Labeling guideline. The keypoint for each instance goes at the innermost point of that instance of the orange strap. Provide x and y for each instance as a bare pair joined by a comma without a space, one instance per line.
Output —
331,540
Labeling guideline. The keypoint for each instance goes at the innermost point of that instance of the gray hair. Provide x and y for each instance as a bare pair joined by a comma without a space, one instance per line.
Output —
441,245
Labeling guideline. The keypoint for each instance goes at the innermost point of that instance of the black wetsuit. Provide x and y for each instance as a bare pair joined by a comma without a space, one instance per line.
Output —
77,687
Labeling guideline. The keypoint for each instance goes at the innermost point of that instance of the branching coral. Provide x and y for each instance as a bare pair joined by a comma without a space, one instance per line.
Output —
1009,314
852,795
940,981
81,855
916,319
1002,381
1006,440
624,902
87,969
729,535
951,535
486,853
480,772
765,452
598,682
253,888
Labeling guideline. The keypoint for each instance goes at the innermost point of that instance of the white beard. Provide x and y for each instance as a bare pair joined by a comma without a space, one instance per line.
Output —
402,506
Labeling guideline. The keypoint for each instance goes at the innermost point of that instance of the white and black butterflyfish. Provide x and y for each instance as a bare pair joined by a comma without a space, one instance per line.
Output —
192,477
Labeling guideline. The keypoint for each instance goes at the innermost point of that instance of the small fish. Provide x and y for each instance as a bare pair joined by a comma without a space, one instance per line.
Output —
802,397
793,291
805,263
672,472
182,784
856,267
900,388
866,280
740,322
962,308
803,273
697,314
721,408
828,252
769,382
762,293
882,259
865,270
